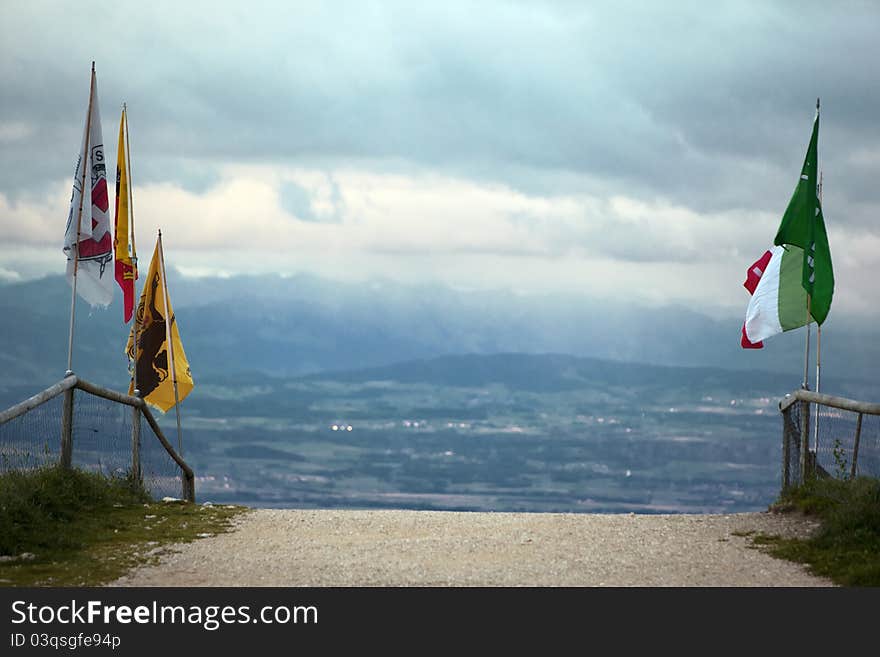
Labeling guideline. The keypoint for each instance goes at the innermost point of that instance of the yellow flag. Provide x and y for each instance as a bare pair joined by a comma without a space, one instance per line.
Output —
156,366
125,271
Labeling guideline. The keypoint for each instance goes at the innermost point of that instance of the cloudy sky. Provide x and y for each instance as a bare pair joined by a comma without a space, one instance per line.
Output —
624,148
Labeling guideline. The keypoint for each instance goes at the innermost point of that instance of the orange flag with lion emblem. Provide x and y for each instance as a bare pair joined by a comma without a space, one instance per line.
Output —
159,363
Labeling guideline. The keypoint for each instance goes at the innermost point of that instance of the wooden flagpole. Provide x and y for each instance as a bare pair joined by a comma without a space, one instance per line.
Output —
133,248
818,356
806,406
805,384
168,337
84,163
136,413
805,421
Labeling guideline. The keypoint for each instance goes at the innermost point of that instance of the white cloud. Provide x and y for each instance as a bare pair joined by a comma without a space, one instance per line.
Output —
427,226
36,220
9,276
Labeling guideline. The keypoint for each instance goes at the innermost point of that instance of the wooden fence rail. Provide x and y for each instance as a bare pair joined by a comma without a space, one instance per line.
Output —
803,400
66,387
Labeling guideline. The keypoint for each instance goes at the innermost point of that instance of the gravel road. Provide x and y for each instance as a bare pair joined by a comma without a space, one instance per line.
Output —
271,547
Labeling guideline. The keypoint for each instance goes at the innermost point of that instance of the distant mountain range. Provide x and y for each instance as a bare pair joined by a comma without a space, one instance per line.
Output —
552,373
451,399
543,373
287,327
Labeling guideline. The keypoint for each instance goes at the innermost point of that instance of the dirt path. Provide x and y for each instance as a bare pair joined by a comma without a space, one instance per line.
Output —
271,547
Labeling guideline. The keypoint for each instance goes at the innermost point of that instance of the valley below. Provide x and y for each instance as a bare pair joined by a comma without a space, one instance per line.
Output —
549,434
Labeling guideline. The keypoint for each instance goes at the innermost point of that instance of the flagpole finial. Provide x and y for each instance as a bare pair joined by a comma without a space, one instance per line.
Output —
93,66
817,104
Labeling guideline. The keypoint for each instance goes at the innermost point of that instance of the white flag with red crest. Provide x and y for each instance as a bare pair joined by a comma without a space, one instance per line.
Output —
88,241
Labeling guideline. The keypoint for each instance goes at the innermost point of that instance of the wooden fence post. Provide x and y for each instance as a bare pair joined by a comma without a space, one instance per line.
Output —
136,442
67,430
806,469
786,449
189,487
855,460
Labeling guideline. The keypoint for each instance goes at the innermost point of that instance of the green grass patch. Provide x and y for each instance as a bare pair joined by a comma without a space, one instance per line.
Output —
72,528
743,534
846,549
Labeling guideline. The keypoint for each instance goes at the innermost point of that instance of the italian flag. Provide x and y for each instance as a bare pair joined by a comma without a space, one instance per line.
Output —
779,300
799,264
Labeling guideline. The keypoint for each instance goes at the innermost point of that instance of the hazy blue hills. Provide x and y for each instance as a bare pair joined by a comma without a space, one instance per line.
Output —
300,325
553,373
311,393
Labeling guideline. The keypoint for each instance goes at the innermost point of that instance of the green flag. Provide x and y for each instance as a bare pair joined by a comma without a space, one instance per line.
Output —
803,225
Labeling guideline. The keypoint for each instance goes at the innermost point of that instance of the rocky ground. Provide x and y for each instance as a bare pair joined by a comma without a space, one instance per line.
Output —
271,547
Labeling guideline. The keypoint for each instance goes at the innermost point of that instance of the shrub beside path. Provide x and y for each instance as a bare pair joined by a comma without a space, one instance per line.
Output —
274,547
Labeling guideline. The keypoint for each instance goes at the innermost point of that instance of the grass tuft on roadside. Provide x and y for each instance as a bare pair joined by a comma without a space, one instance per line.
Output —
72,528
846,548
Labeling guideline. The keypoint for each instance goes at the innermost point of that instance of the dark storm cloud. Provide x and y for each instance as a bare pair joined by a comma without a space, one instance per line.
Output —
710,107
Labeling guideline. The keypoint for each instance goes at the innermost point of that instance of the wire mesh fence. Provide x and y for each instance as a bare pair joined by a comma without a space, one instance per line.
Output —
101,435
102,443
842,438
791,445
836,452
101,439
160,474
32,440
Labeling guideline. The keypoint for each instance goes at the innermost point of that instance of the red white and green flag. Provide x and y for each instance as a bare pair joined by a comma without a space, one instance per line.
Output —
779,301
798,264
